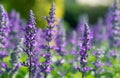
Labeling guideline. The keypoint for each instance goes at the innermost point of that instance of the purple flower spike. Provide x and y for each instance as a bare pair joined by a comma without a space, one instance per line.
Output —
30,35
16,25
3,32
86,41
60,41
74,41
99,32
116,22
98,65
30,45
85,45
49,37
113,22
15,55
31,48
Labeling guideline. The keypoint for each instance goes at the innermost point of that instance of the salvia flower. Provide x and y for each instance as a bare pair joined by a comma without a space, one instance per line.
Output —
15,55
3,31
74,42
14,61
110,55
98,65
16,25
3,34
86,43
60,46
108,23
30,45
99,32
115,36
60,41
49,37
113,29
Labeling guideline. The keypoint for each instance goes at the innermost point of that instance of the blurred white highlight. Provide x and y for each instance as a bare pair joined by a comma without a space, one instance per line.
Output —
95,2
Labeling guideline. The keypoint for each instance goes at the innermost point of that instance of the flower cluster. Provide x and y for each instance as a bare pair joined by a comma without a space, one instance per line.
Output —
30,45
98,65
116,22
3,32
86,39
60,41
16,26
49,38
16,55
99,32
14,61
112,22
71,48
73,41
3,35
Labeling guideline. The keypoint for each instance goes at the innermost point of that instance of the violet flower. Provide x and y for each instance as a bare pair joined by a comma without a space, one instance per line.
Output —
15,55
86,41
49,37
60,41
60,46
99,32
74,42
14,61
113,23
16,25
108,23
82,20
113,29
110,55
30,45
116,22
98,65
3,34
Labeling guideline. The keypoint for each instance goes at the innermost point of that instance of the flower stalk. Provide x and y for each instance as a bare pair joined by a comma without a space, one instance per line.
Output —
86,40
49,33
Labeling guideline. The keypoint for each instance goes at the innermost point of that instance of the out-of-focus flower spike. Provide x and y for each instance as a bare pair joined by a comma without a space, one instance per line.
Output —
98,64
3,31
15,57
60,40
16,25
115,23
3,35
49,38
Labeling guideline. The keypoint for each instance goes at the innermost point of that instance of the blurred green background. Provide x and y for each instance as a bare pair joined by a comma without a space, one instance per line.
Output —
68,10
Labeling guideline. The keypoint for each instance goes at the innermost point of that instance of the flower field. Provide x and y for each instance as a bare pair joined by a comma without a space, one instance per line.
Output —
88,51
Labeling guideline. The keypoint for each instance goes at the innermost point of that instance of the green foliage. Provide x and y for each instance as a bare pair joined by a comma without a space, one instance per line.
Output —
23,7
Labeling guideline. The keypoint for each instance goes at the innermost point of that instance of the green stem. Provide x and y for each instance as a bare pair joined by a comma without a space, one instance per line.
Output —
45,75
96,75
30,73
83,74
